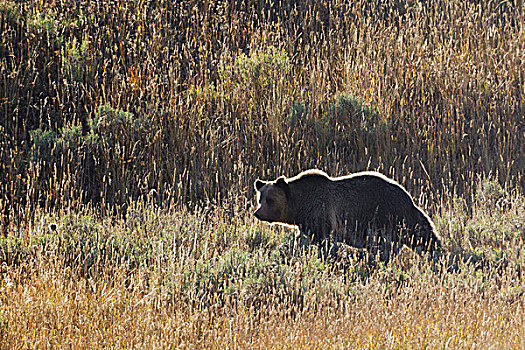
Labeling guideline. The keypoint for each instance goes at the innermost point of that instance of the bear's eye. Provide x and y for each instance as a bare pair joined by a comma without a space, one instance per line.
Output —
269,201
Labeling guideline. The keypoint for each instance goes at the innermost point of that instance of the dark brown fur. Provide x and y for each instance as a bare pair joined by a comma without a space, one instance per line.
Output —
363,210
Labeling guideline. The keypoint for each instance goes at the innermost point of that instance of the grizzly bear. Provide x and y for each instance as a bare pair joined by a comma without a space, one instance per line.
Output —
363,210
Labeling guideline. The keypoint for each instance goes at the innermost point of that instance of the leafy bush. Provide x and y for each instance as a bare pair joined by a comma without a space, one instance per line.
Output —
256,75
77,62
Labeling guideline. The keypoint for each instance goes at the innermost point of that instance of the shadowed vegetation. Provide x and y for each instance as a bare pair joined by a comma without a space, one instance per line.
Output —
131,133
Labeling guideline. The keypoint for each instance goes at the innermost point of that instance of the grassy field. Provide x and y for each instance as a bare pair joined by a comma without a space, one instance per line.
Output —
170,278
131,133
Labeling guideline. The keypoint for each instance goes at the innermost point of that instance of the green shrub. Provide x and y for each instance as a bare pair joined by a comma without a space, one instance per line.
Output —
297,114
77,61
107,118
254,76
45,21
10,11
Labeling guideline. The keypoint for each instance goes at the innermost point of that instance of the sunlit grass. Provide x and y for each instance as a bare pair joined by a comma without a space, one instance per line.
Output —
429,93
180,279
131,133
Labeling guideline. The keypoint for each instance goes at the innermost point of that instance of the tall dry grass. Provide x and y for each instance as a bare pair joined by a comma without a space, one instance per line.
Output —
106,102
138,127
174,279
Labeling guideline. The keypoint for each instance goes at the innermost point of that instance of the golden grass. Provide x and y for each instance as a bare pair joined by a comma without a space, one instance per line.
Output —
103,103
53,311
139,127
172,279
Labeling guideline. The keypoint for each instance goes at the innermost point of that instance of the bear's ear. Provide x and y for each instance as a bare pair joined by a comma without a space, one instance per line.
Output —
259,184
283,185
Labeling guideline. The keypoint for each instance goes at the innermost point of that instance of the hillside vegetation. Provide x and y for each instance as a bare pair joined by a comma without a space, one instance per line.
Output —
131,133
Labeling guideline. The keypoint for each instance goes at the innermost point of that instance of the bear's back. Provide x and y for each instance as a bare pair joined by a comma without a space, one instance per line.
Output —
370,185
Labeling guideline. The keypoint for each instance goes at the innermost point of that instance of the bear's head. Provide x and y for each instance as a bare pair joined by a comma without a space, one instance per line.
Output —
272,197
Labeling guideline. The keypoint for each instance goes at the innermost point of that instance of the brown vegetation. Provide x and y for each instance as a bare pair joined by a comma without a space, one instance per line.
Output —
138,128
